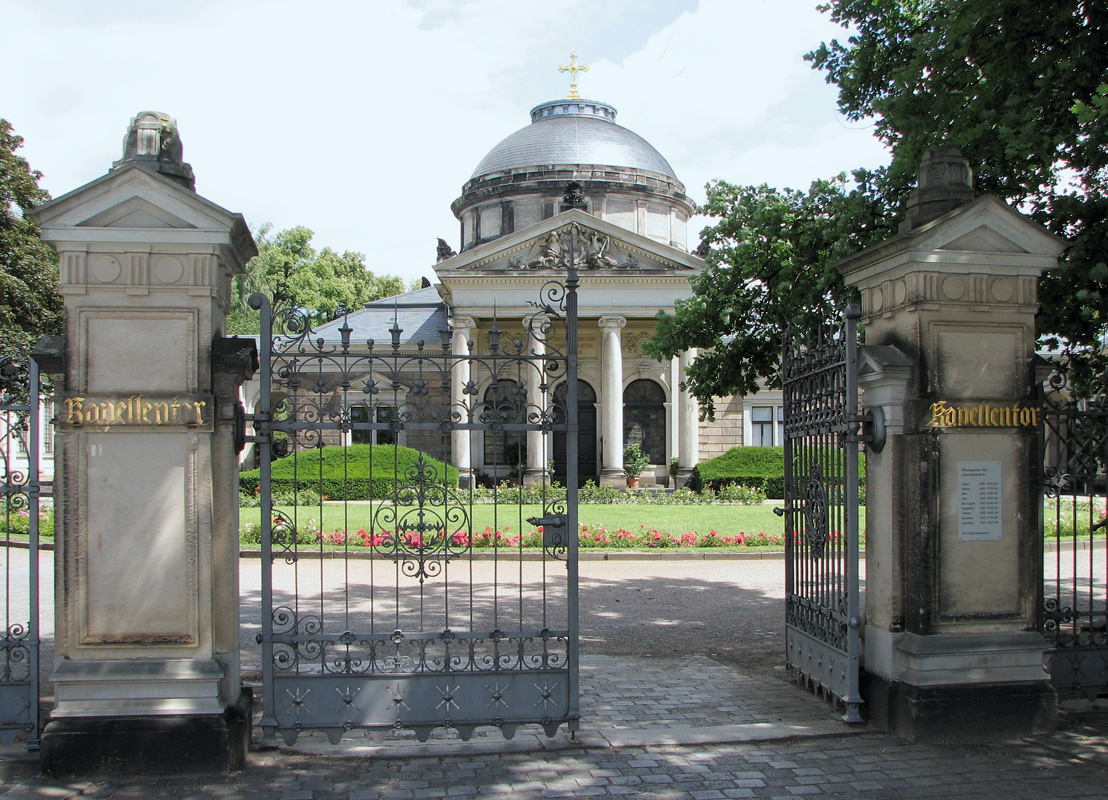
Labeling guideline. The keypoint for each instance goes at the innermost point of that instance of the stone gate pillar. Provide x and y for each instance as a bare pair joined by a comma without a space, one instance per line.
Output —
146,672
952,565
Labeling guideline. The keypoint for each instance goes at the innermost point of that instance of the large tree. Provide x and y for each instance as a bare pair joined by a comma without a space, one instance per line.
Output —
292,273
1021,88
30,305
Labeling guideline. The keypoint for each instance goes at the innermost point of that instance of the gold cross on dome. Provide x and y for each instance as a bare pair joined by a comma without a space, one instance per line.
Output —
573,69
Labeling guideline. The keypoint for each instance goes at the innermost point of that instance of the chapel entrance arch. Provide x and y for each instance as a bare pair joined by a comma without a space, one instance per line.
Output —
586,437
644,418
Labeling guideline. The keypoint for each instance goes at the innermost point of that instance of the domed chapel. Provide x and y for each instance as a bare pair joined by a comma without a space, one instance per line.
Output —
573,167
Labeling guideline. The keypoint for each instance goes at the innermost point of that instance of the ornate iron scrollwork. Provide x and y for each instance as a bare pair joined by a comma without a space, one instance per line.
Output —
816,511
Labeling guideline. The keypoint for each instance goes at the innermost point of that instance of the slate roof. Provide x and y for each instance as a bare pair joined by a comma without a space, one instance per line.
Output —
421,316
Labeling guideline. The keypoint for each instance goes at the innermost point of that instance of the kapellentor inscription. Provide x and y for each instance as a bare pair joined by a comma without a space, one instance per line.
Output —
983,415
138,410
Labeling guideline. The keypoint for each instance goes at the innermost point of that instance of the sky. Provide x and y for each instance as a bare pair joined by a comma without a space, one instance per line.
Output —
362,119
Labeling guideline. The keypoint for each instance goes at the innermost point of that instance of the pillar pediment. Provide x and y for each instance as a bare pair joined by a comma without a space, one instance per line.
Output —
133,205
983,255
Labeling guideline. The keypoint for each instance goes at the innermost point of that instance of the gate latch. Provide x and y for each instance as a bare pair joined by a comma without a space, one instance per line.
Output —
553,529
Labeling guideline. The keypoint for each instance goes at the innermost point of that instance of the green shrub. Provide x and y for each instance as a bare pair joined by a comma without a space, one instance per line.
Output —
761,468
357,472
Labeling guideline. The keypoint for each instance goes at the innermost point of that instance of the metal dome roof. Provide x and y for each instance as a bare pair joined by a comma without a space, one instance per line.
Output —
573,132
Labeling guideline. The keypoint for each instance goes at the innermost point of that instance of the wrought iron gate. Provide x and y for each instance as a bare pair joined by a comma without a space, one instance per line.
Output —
822,432
1073,608
19,515
426,616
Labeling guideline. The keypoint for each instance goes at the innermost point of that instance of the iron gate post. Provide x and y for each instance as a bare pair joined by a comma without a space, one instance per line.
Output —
853,697
263,415
572,489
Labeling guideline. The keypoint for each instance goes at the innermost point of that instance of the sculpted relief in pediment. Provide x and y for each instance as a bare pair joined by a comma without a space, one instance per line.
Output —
588,249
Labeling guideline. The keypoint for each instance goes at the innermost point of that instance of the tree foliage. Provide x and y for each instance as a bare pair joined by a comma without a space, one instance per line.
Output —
760,276
1021,88
30,305
291,272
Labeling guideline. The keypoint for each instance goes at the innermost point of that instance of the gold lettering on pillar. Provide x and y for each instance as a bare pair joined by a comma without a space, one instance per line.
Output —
134,411
983,415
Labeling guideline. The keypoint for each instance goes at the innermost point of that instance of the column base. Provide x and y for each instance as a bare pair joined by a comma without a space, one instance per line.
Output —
976,712
613,477
534,477
120,747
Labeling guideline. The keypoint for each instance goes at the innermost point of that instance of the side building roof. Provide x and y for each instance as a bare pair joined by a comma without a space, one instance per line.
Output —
420,315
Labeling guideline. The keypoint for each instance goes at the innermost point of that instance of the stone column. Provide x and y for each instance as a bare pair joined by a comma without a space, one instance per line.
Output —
673,413
536,400
146,673
689,420
951,647
462,403
611,401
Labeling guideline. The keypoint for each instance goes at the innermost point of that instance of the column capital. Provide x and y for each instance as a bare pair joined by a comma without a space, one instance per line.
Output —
611,322
463,323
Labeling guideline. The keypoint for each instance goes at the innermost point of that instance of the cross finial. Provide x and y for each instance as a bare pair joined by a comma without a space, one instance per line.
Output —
573,69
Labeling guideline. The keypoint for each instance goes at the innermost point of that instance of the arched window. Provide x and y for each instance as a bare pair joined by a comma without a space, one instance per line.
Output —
505,405
644,418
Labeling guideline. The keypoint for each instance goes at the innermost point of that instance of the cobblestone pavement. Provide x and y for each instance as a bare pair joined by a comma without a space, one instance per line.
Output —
650,731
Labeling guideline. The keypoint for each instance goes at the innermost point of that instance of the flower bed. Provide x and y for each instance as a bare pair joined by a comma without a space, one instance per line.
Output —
588,537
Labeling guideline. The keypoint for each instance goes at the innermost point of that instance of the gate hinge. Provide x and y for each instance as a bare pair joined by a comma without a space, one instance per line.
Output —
868,428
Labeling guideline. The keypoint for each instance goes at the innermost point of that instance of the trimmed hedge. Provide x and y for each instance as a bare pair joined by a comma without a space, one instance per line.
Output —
758,467
357,472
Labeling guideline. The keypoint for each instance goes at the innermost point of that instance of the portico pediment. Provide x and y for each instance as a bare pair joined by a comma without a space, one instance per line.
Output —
592,245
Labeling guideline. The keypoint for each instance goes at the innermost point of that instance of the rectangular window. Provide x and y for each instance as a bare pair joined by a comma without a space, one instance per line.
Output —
47,427
761,426
382,414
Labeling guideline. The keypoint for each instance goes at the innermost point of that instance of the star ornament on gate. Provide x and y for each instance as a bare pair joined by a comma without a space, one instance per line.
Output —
298,699
397,697
448,696
496,692
546,694
348,694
